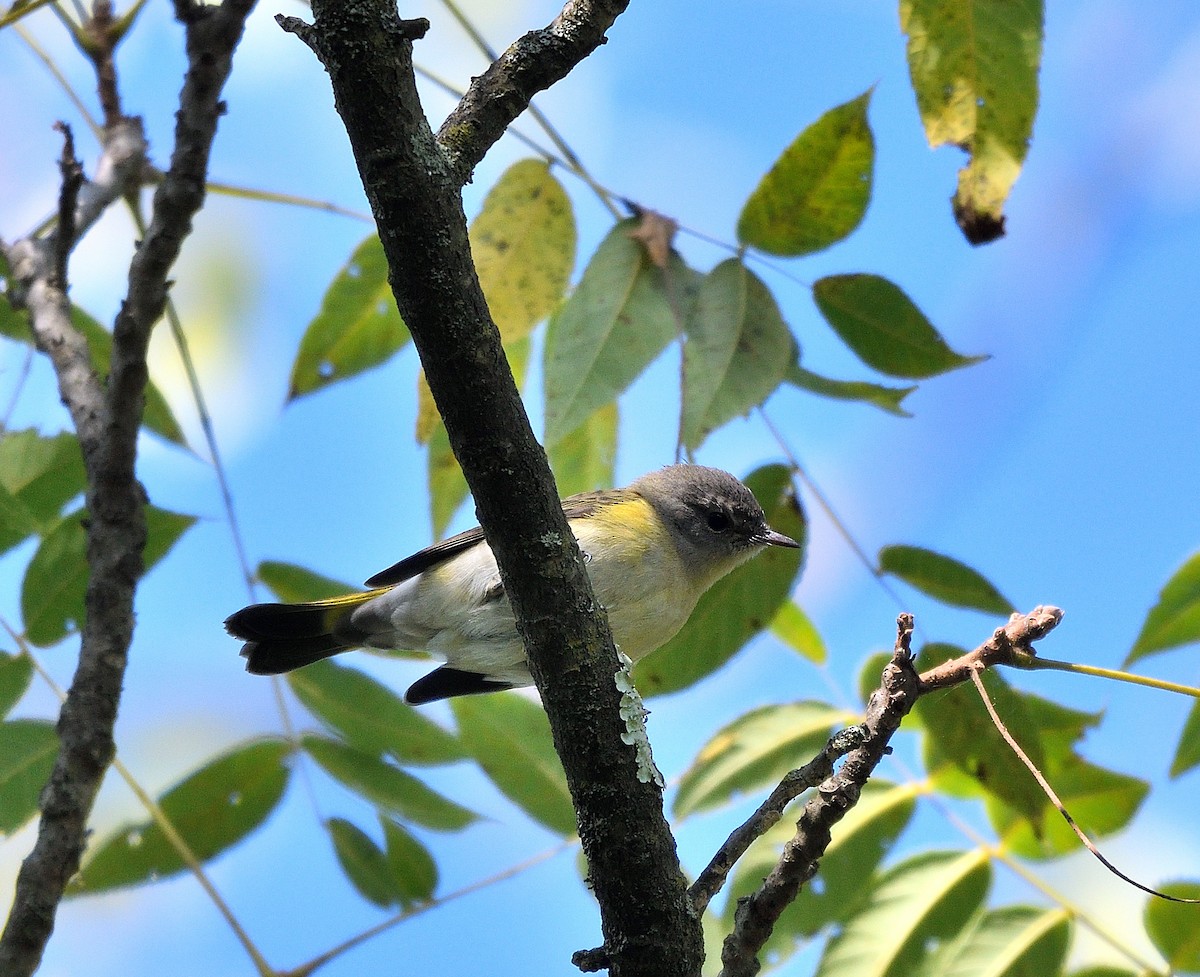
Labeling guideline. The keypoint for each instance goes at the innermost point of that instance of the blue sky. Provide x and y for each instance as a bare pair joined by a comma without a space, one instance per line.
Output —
1064,468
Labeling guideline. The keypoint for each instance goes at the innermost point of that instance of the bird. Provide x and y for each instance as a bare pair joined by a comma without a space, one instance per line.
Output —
651,550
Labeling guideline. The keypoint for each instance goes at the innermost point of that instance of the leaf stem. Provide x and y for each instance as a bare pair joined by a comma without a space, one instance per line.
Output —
1036,662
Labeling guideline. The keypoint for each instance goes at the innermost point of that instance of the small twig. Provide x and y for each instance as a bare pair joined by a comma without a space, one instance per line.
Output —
1005,647
305,969
756,914
71,171
975,670
794,783
532,63
101,31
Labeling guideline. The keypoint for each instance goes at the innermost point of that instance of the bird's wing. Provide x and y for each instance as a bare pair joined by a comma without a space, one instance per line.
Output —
581,506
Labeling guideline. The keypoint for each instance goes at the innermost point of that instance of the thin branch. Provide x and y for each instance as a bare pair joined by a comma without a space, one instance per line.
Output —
976,671
305,969
796,782
1006,646
107,419
532,63
757,913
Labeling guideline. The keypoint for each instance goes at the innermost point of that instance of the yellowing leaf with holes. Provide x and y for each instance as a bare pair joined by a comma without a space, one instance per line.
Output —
818,190
974,67
738,350
523,243
212,810
358,326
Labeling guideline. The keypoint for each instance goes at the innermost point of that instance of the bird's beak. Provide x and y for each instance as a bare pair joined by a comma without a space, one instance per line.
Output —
772,538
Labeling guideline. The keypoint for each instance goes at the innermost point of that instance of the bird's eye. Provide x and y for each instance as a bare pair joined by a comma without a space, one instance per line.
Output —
718,521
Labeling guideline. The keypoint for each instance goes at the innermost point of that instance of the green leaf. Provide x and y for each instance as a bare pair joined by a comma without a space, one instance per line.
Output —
619,318
925,898
523,243
859,842
736,607
1174,928
738,349
1015,941
358,326
885,398
370,716
883,328
52,599
27,751
974,68
1187,752
943,578
1103,970
157,415
1101,802
959,730
363,863
212,810
386,786
294,584
413,870
1175,619
15,674
55,582
818,190
794,628
583,460
447,487
754,751
509,737
38,476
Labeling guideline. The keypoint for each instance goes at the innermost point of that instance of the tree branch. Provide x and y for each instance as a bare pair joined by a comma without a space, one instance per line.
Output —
864,746
414,191
532,63
107,419
756,914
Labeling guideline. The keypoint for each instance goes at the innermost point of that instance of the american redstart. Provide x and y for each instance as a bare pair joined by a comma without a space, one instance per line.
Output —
651,550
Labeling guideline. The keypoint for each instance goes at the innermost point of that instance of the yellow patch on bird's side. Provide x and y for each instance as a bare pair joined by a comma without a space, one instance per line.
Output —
631,519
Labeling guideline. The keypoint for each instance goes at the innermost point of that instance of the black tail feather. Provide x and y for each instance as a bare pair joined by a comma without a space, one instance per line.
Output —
283,637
